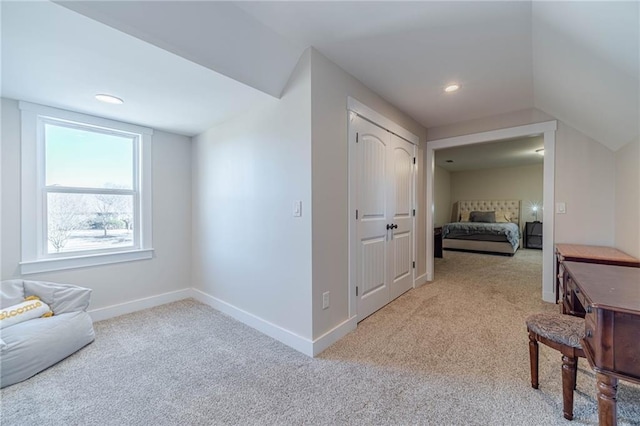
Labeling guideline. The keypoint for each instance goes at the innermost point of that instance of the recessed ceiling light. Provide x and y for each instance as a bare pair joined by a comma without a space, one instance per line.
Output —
451,88
109,99
540,151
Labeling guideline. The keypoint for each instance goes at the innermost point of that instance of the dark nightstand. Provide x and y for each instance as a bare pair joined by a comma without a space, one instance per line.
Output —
437,242
533,235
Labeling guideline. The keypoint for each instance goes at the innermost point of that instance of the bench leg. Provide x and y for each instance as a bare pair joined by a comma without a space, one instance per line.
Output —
533,359
568,385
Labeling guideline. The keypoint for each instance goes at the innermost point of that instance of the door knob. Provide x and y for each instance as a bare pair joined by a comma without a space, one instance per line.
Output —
389,226
394,226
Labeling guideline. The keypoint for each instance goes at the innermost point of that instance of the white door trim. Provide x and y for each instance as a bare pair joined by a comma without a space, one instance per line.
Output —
380,120
548,128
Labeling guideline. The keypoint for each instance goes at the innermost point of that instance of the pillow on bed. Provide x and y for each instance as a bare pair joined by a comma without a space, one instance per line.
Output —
503,216
487,217
464,216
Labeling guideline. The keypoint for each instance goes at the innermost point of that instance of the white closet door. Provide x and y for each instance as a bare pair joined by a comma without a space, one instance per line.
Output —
385,223
372,193
401,236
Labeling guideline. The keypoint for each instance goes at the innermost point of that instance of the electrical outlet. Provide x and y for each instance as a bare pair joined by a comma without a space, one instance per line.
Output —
325,300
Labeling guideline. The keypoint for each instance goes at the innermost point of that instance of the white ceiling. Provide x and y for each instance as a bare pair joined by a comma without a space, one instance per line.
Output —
577,61
56,57
491,155
408,51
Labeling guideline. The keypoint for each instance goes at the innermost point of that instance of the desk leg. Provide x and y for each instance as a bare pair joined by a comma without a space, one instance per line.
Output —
607,396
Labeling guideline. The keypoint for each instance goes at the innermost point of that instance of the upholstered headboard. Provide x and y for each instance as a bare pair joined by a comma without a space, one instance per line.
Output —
511,206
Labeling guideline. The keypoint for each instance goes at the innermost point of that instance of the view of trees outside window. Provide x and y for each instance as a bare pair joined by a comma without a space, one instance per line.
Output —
89,185
89,221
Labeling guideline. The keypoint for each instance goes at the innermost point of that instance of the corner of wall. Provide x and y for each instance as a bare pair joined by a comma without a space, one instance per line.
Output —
251,256
627,198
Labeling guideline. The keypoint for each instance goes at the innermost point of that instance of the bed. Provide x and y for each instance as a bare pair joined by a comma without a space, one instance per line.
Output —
489,226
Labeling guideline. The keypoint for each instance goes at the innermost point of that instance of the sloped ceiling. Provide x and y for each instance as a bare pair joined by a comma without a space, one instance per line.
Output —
586,67
409,51
56,57
215,34
577,61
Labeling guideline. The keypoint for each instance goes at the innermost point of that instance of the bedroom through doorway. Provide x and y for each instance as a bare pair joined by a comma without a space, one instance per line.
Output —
488,181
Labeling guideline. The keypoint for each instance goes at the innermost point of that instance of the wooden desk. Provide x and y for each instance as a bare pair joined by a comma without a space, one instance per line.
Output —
610,298
588,254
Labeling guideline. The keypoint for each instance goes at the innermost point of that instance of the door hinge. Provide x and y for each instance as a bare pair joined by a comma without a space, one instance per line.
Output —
414,264
356,214
414,160
414,212
357,137
356,290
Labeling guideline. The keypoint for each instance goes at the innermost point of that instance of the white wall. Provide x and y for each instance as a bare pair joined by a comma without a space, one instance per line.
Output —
441,196
627,211
330,87
251,258
168,271
507,183
511,119
250,255
584,176
585,181
2,136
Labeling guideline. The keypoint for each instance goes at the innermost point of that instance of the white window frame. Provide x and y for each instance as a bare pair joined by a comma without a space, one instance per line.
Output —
35,258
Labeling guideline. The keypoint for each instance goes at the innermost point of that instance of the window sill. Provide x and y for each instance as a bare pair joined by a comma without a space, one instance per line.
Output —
59,264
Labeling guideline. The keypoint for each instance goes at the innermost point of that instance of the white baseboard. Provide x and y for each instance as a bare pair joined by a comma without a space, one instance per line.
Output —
332,336
290,339
139,304
299,343
549,296
421,280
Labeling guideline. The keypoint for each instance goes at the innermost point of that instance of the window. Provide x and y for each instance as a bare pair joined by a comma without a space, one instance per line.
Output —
86,190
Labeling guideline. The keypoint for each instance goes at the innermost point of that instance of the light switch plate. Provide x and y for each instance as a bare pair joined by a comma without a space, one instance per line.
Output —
561,208
297,208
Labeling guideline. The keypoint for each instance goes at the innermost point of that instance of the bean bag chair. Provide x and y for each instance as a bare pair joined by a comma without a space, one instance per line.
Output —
41,323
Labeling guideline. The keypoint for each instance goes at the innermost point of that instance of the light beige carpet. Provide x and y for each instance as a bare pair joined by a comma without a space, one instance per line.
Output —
453,352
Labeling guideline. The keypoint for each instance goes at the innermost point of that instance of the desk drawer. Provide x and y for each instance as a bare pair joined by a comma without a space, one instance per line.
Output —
626,338
611,340
579,299
592,336
573,298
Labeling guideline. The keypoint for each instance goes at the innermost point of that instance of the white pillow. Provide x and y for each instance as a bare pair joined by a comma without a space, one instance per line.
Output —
29,309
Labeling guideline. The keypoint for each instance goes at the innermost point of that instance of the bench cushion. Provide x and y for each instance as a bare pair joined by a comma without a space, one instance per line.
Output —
564,329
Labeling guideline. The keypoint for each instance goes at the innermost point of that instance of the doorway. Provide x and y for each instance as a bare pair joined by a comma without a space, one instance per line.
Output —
547,129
